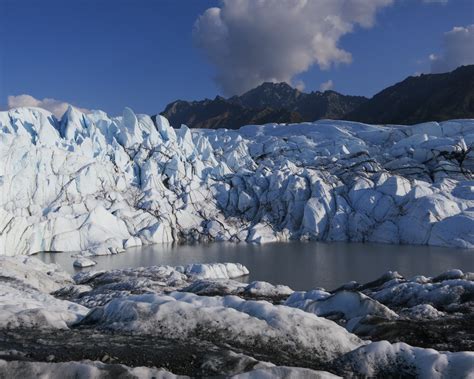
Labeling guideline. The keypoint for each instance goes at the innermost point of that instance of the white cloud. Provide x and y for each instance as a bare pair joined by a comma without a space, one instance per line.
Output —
458,50
56,107
299,85
254,41
326,85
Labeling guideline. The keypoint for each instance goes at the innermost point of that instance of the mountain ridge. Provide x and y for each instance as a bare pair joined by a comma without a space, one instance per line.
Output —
269,102
428,97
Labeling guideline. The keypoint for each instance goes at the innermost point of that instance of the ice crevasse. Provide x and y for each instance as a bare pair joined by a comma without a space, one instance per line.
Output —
101,184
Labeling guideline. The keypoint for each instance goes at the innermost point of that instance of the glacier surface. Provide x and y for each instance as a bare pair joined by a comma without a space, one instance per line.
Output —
99,184
253,330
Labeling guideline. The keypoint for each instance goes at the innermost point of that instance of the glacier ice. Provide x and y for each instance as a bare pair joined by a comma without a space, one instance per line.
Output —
383,359
98,370
79,370
204,304
229,319
100,184
25,300
83,262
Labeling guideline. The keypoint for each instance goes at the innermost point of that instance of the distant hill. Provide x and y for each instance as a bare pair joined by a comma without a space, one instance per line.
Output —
431,97
269,102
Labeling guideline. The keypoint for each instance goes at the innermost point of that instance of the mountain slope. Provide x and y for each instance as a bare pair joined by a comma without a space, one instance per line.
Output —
269,102
274,95
432,97
220,113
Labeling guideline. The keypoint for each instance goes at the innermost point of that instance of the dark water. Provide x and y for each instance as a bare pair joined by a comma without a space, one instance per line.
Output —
300,265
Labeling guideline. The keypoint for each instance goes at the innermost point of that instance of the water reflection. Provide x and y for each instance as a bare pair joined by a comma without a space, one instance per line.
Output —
300,265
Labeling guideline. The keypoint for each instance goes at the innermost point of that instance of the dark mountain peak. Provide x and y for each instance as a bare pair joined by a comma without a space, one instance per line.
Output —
464,69
269,102
416,99
268,94
429,97
274,86
330,92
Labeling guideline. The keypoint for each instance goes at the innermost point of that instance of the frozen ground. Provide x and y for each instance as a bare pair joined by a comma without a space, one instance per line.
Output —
97,185
198,320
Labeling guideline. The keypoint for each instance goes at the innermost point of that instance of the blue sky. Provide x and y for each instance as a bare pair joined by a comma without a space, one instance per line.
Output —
107,54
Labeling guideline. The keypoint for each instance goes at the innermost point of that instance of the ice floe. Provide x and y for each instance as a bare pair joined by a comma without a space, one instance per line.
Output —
83,262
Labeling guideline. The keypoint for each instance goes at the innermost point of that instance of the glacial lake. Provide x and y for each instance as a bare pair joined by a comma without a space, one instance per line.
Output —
300,265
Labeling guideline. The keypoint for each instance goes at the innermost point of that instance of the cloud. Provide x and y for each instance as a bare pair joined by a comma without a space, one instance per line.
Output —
56,107
255,41
299,85
458,50
326,85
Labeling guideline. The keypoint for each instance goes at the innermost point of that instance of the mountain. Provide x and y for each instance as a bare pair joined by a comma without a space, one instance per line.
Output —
269,102
432,97
311,106
221,113
273,95
429,97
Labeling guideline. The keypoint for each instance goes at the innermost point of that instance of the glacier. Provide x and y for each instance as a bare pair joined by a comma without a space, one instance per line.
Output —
98,370
198,320
96,184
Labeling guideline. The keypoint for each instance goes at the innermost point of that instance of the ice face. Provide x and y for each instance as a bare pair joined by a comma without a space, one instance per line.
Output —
99,184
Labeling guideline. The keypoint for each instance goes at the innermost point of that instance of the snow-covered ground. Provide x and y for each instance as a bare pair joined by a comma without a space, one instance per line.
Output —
97,185
254,329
